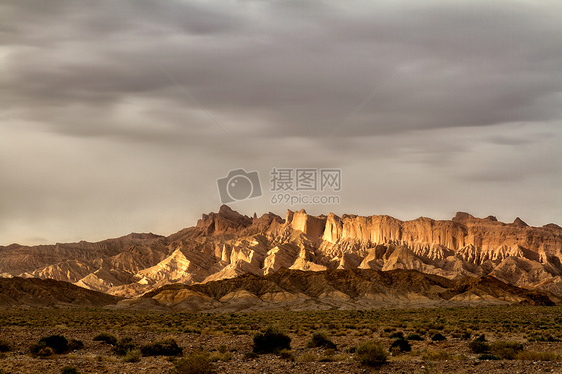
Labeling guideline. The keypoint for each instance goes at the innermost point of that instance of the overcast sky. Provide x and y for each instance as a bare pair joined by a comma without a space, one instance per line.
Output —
120,116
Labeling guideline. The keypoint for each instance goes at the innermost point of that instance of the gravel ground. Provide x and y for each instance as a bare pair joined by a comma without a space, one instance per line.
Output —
96,357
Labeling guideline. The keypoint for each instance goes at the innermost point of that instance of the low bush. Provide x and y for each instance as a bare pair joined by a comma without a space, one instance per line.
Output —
397,335
195,363
436,356
319,339
123,345
414,337
218,356
479,345
41,350
166,347
271,341
5,346
488,356
506,350
74,345
402,345
58,343
132,355
106,338
286,354
371,354
437,337
538,356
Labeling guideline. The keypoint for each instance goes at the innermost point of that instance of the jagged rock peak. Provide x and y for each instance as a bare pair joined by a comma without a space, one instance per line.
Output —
462,217
519,222
226,220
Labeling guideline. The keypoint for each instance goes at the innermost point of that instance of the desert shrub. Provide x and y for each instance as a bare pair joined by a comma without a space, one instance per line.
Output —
123,345
218,356
397,335
69,370
371,353
488,356
271,341
436,356
506,350
537,356
542,338
5,346
319,339
286,354
402,345
414,337
437,337
132,355
466,335
41,350
74,345
222,348
195,363
58,343
166,347
106,338
479,345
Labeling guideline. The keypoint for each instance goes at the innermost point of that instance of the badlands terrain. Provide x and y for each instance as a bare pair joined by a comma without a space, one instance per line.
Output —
226,244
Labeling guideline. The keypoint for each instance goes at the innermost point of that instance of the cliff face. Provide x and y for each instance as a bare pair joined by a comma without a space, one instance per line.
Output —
227,244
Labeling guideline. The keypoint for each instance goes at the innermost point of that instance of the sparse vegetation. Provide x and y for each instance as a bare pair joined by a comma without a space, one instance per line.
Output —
436,356
123,345
401,345
479,345
195,363
166,347
5,346
132,355
57,343
228,337
271,341
320,340
106,338
538,356
415,337
371,354
437,337
488,356
506,350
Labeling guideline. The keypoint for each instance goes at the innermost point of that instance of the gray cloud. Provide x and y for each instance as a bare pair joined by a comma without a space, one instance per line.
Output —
475,106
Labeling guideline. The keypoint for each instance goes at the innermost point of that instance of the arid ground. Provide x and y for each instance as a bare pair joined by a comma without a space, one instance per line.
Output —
226,340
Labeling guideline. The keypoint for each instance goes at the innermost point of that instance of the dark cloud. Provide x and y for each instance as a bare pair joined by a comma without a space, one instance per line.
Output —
476,102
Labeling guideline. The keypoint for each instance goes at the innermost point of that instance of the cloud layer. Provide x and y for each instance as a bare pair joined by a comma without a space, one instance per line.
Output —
102,136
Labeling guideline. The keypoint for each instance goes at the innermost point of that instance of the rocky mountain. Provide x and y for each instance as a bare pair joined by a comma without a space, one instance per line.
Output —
334,289
33,292
227,244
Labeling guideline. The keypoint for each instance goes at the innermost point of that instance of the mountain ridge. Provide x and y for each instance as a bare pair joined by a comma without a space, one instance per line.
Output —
227,244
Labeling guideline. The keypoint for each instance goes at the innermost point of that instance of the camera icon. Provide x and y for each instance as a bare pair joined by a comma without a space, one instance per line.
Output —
239,185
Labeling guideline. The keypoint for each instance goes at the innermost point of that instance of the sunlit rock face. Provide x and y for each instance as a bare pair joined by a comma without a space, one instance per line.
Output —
227,244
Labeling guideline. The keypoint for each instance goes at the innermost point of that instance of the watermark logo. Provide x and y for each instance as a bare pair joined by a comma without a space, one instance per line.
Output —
239,185
285,179
292,186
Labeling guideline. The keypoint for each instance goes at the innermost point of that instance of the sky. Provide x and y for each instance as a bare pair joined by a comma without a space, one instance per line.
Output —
126,116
